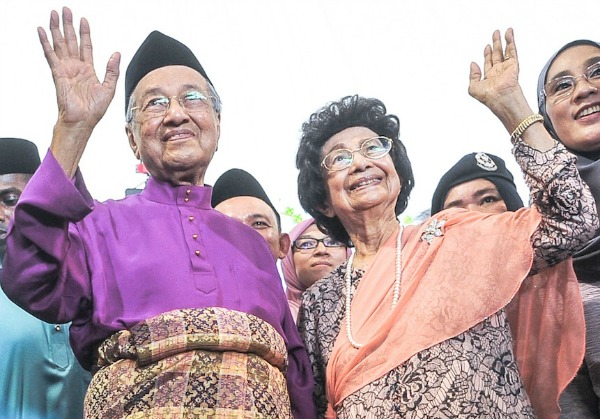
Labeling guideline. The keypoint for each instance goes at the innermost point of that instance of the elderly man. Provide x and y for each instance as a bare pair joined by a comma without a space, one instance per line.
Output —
40,377
238,194
177,307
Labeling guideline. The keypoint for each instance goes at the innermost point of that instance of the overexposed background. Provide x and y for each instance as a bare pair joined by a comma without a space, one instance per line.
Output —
274,62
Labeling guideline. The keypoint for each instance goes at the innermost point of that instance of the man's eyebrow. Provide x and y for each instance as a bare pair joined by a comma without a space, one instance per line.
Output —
9,190
259,216
159,90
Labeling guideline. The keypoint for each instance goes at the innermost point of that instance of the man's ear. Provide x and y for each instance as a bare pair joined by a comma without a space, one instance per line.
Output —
132,143
218,131
284,245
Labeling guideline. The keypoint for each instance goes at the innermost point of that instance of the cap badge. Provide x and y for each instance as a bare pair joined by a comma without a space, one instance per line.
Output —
485,162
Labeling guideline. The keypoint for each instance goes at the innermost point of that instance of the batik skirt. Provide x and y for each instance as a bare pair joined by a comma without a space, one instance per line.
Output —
192,363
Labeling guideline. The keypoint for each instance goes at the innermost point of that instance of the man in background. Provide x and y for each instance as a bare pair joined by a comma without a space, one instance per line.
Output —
238,194
39,375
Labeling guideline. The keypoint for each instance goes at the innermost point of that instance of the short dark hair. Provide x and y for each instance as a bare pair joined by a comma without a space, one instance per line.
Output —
350,111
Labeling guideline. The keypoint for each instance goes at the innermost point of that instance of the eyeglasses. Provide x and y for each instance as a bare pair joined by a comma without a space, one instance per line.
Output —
562,87
156,107
307,244
372,148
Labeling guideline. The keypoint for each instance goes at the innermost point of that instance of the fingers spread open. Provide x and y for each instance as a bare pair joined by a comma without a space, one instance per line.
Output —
58,41
48,50
69,33
85,49
112,72
474,72
487,59
511,47
497,52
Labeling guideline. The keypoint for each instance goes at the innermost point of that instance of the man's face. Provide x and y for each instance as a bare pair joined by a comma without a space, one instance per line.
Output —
11,187
178,145
476,195
257,214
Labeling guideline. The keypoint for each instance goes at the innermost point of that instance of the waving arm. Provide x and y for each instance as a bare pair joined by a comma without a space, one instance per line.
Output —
498,88
82,100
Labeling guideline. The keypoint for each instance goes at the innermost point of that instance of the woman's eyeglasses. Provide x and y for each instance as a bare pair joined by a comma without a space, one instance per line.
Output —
372,148
562,87
307,244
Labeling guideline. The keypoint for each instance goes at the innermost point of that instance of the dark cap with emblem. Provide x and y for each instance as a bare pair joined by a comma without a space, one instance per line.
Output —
478,166
238,182
158,50
18,156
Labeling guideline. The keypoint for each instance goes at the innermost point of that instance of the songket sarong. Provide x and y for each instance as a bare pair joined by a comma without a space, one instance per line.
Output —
192,363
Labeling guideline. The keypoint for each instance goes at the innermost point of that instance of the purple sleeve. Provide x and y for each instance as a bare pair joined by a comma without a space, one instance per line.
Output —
300,379
45,260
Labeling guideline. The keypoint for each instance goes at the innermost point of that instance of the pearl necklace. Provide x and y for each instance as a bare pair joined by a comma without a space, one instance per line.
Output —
395,297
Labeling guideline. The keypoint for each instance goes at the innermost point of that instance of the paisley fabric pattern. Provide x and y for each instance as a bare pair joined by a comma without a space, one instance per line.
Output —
192,363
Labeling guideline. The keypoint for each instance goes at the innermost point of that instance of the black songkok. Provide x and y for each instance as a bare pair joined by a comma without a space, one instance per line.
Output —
478,166
238,182
18,156
158,50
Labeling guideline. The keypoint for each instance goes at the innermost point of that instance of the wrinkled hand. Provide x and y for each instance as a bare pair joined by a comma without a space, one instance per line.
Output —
500,83
82,99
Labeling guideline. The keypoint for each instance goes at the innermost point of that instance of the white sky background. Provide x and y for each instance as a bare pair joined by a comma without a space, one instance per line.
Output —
274,62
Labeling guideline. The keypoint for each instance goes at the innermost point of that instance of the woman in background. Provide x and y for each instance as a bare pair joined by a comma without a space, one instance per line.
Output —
569,101
311,256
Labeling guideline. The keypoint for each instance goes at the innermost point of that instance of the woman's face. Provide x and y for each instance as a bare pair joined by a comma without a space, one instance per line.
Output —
367,184
314,264
576,118
476,195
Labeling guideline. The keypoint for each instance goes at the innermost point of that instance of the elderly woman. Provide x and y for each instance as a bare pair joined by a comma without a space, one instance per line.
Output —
178,309
569,101
413,325
312,256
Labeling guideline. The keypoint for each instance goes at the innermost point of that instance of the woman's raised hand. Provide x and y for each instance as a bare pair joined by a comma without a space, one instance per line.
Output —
82,99
498,86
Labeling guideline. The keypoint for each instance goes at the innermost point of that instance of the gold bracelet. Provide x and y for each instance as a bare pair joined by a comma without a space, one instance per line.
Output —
526,123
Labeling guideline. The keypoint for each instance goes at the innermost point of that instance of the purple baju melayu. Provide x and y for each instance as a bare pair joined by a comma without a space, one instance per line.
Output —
108,266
